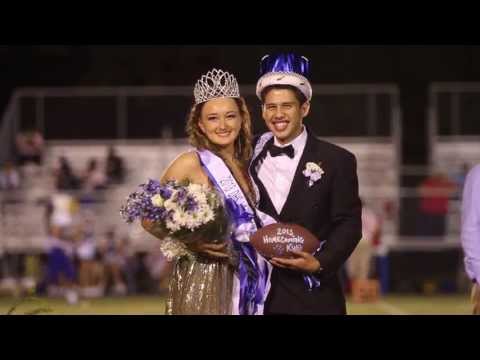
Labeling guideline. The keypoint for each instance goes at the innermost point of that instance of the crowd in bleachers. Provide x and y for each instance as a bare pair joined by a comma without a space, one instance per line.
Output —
77,260
81,264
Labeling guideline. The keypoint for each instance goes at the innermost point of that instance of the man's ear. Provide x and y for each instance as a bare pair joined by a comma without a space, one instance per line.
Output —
263,112
305,108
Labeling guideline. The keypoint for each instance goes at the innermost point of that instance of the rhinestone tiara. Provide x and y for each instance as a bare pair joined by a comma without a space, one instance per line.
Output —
215,84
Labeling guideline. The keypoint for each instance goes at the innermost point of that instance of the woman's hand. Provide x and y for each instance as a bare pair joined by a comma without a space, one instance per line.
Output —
147,224
150,227
208,249
194,243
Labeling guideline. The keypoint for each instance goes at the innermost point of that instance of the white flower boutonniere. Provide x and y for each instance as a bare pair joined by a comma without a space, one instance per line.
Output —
313,172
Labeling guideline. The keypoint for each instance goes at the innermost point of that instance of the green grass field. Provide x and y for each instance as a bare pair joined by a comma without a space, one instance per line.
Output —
154,305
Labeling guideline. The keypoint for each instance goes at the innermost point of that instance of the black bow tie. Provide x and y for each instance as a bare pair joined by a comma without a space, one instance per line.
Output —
287,150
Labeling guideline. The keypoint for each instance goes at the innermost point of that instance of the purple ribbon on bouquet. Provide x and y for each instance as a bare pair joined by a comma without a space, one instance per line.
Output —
311,280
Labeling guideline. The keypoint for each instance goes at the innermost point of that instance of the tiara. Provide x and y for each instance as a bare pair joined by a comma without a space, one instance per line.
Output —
215,84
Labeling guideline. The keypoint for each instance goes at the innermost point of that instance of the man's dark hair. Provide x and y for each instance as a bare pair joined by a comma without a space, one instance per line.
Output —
298,94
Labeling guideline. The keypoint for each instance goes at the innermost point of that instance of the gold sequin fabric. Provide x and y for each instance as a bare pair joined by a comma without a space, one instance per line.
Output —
200,286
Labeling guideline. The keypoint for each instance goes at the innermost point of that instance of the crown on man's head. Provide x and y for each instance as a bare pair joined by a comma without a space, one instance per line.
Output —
285,69
215,84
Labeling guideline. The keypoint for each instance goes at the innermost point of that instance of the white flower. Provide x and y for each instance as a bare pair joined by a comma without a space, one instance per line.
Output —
179,217
312,167
313,172
192,223
170,205
172,226
200,198
172,249
157,200
205,203
205,214
195,188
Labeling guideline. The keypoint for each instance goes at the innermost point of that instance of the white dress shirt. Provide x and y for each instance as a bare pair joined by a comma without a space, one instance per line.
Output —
276,173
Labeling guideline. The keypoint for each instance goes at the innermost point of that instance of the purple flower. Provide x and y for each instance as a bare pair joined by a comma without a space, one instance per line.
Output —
153,186
191,204
181,195
139,204
165,192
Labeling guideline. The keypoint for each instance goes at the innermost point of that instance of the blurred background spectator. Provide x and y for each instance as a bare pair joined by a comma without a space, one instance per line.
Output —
114,256
114,164
65,178
61,275
30,147
435,192
9,177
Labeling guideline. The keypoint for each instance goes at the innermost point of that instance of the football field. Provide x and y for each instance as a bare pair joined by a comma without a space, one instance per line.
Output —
155,305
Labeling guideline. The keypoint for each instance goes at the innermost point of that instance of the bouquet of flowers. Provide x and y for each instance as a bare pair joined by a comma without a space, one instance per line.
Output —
180,213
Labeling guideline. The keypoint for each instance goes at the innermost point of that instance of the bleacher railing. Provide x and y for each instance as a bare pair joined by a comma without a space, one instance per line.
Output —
454,126
364,118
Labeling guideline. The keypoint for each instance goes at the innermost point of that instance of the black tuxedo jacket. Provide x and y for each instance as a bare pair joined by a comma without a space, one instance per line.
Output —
331,210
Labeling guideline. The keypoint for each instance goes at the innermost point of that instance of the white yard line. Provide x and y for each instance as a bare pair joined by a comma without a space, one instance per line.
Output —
391,309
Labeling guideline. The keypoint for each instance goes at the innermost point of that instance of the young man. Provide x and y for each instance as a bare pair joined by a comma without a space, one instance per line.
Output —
301,179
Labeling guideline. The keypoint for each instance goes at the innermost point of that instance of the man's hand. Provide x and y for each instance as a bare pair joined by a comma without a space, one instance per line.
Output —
476,299
303,261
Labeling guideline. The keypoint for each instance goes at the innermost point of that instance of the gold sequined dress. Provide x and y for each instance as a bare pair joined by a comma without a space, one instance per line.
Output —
200,286
203,286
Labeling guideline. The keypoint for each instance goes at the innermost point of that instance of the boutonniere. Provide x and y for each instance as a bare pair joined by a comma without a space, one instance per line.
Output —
313,172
